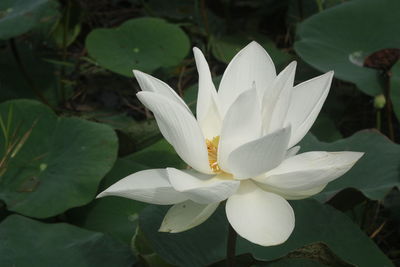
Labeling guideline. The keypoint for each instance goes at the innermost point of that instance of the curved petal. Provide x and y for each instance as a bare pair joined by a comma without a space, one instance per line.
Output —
259,156
151,186
261,217
292,152
151,84
186,215
251,65
309,170
241,125
202,189
180,129
306,103
293,194
207,99
277,98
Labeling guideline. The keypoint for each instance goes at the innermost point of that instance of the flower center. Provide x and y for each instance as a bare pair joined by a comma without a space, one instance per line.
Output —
212,148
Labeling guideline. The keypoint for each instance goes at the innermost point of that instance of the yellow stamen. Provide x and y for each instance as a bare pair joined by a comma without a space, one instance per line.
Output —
212,148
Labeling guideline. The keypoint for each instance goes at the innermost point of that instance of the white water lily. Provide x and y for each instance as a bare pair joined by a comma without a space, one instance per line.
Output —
241,148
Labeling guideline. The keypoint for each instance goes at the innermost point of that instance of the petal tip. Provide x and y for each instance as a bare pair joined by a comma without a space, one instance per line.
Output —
164,229
137,72
254,44
195,50
102,194
293,64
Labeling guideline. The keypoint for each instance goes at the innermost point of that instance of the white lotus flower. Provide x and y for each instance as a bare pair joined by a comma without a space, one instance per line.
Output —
241,148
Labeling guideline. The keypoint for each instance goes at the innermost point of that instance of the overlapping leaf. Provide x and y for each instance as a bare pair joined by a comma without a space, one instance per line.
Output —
25,242
56,164
342,37
19,16
144,43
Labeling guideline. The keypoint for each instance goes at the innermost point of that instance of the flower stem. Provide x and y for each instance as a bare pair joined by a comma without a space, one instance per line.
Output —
378,120
231,247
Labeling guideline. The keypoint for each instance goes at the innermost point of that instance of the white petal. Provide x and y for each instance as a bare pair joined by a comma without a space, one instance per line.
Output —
261,217
186,215
200,188
151,186
277,98
309,170
292,152
251,65
180,129
241,125
306,103
293,194
207,99
259,156
151,84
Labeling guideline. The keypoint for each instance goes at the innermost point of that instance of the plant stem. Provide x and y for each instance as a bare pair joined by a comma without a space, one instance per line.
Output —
24,73
389,110
231,247
378,120
64,50
204,16
320,5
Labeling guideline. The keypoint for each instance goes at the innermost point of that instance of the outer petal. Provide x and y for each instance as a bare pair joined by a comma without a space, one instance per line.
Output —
251,65
201,189
180,129
277,98
309,170
261,217
150,84
207,100
151,186
306,103
186,215
259,156
292,152
241,125
293,194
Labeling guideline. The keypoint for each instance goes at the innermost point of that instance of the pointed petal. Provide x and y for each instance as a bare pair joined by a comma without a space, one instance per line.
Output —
261,217
277,99
251,65
186,215
307,100
151,84
309,170
207,99
180,129
241,125
201,188
151,186
259,156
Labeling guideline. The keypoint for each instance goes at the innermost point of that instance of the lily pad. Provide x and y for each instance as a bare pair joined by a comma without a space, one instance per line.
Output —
375,174
26,242
144,43
342,37
19,16
206,244
58,164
